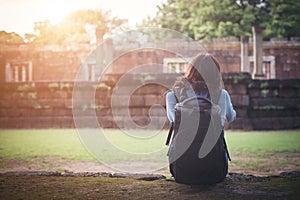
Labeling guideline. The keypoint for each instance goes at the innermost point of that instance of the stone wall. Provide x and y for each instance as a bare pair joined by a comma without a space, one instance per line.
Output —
52,63
260,104
274,104
48,63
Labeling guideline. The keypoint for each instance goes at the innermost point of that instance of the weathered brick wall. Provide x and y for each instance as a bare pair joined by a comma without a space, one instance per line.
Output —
49,64
58,63
274,104
133,59
36,105
260,104
237,86
287,59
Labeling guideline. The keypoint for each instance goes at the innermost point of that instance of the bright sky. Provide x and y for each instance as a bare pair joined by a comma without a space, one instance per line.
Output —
19,15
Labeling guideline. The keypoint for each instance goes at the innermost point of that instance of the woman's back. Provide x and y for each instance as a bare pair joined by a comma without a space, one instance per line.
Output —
198,152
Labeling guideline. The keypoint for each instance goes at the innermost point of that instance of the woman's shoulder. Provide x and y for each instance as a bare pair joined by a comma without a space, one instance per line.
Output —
224,94
170,94
181,82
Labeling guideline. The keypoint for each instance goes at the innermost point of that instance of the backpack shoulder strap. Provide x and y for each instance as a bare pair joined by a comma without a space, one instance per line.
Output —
226,149
217,97
180,95
170,133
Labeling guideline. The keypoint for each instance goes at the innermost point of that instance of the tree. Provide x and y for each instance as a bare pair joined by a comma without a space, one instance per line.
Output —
284,19
41,35
77,27
206,19
10,38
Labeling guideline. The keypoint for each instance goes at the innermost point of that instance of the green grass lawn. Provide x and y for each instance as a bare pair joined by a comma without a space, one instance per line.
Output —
248,149
23,144
263,142
66,142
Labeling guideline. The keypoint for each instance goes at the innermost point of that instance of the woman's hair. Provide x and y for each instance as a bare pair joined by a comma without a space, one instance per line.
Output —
203,73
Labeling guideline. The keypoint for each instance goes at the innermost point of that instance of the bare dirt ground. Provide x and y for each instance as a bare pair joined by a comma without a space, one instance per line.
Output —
47,185
55,178
265,166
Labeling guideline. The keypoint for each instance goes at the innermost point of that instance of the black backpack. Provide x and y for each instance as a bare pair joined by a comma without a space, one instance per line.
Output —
197,151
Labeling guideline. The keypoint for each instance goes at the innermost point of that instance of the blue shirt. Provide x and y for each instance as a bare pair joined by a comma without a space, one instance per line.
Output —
228,113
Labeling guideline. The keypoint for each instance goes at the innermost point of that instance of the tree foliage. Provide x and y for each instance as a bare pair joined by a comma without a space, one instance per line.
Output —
285,18
78,27
206,19
10,38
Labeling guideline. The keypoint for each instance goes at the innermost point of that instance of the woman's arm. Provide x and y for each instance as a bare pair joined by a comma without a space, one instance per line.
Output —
170,105
228,113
